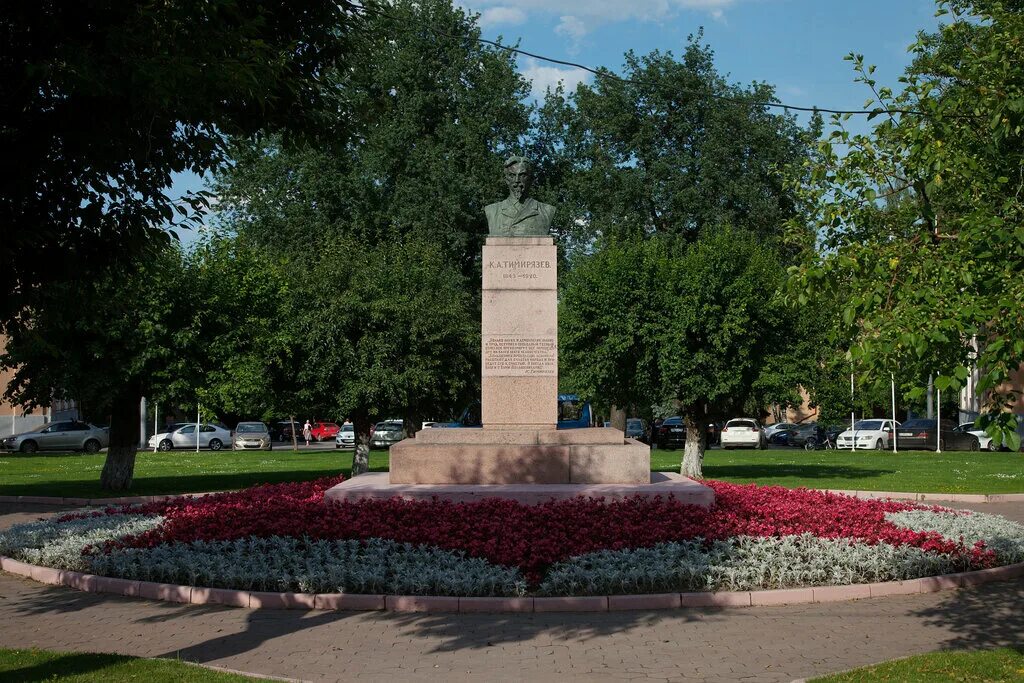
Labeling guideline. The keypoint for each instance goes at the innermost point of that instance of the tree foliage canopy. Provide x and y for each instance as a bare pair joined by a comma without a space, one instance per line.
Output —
920,218
664,153
101,102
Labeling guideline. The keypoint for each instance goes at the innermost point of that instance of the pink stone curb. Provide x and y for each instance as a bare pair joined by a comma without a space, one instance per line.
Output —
432,603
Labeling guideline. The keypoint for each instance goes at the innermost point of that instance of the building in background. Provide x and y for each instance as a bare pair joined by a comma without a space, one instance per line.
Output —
15,419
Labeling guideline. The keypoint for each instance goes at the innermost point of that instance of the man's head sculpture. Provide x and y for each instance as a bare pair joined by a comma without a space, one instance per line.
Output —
518,177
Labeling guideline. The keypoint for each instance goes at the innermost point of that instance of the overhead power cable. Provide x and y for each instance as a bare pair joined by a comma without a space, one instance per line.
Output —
604,73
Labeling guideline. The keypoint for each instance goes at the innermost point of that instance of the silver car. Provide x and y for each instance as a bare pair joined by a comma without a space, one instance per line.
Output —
59,436
387,433
346,437
253,435
214,437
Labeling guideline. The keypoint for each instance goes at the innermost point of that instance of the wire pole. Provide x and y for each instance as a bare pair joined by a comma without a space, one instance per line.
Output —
852,415
892,377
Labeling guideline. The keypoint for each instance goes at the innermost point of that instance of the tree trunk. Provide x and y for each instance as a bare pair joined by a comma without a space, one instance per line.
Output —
693,452
361,454
119,467
410,423
295,438
618,418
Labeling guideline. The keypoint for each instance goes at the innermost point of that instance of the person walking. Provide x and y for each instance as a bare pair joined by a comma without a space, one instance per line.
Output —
307,432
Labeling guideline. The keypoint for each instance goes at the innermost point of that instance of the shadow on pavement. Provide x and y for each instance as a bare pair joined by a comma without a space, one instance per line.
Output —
982,618
452,632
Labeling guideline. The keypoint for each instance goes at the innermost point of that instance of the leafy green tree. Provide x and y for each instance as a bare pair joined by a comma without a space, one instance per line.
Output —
102,102
674,150
920,218
383,231
106,342
723,328
610,326
704,329
244,302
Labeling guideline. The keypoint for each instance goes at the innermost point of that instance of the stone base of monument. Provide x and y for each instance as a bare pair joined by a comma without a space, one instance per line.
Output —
520,456
377,485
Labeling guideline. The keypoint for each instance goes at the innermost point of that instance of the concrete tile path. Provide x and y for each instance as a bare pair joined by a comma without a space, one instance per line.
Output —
748,644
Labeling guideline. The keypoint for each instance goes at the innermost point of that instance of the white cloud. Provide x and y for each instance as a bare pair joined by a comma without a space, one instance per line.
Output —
573,29
496,16
593,12
544,77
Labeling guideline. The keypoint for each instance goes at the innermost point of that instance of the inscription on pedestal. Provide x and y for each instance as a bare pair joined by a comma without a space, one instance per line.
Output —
509,355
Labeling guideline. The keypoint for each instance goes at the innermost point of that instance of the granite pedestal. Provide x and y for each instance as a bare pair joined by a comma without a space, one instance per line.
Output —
519,453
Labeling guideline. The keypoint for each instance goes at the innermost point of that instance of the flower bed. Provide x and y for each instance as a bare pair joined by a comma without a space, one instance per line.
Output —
285,538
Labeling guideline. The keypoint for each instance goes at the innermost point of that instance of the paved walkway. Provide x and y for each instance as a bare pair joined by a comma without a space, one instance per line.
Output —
750,644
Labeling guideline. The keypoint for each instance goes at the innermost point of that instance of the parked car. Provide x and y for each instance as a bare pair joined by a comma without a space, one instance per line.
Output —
282,430
781,437
742,432
770,430
211,436
322,431
59,436
671,433
867,434
253,435
387,433
636,428
346,437
920,434
984,440
807,436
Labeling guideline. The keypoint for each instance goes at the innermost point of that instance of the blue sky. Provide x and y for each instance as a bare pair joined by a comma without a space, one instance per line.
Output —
797,45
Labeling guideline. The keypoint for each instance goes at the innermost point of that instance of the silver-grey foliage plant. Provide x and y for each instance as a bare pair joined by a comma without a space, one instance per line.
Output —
287,564
61,544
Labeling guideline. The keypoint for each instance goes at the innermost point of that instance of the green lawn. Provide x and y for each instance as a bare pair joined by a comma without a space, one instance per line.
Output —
77,475
916,471
21,666
964,667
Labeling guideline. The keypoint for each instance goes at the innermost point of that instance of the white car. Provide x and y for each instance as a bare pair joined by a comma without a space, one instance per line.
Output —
984,440
868,434
346,437
742,432
211,436
777,427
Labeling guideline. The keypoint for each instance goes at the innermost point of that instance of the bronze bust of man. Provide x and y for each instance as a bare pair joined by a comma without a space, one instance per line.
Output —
519,215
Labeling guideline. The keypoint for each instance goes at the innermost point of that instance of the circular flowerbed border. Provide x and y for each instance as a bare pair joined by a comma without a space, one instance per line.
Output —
281,546
419,603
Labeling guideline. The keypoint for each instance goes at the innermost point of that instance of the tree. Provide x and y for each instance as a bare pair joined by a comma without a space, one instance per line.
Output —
106,342
102,102
383,231
674,182
705,329
920,218
244,305
609,322
673,150
723,325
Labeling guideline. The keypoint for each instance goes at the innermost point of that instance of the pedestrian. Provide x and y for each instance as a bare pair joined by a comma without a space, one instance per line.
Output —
307,432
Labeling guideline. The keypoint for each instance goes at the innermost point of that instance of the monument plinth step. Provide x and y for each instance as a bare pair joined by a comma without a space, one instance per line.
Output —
418,462
378,485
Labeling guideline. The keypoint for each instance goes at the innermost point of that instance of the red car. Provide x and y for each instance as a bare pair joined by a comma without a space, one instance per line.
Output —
324,430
